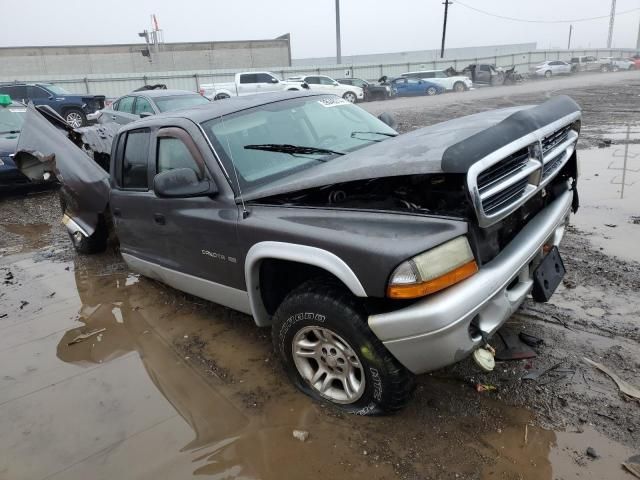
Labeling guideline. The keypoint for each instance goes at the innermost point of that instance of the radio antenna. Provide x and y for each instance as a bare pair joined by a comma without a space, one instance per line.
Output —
245,212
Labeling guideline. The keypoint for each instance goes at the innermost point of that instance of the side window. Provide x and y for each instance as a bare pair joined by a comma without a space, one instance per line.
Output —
125,104
173,153
37,92
264,78
590,59
142,106
313,80
346,82
248,78
17,93
358,83
440,75
326,81
485,68
134,161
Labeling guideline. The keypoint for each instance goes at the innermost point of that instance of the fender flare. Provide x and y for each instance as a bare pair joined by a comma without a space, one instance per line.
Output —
295,253
222,90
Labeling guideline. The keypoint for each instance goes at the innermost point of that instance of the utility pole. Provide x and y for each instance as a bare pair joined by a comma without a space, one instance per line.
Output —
638,40
446,4
338,46
611,19
569,42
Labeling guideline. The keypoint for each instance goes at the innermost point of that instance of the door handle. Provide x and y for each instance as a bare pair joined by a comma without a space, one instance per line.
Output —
117,212
113,117
159,219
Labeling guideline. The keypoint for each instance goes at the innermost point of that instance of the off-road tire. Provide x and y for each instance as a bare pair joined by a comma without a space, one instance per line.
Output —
323,303
459,87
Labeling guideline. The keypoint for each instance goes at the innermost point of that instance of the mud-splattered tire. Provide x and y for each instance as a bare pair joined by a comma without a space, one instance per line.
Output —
384,386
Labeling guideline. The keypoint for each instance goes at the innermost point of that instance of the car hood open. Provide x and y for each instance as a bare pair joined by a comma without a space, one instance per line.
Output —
43,148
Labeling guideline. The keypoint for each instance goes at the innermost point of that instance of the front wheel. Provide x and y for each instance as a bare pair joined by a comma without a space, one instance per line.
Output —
350,97
75,118
459,87
431,91
321,336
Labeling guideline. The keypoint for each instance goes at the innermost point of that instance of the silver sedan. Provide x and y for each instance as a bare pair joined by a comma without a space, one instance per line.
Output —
551,67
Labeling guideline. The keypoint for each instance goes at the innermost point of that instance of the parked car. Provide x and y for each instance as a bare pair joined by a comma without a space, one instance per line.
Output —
586,63
324,84
372,91
11,119
484,74
372,256
456,83
550,68
404,87
636,60
143,103
616,64
248,83
74,108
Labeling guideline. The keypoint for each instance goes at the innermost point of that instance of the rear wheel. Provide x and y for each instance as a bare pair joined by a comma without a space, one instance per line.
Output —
350,97
431,91
75,118
459,87
321,336
221,96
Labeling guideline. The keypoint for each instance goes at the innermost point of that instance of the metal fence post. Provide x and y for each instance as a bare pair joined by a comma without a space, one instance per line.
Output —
86,84
195,77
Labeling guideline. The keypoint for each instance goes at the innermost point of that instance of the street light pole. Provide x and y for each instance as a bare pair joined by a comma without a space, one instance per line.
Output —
569,42
338,46
446,4
611,20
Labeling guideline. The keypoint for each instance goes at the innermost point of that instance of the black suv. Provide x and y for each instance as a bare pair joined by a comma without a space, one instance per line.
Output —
372,91
72,107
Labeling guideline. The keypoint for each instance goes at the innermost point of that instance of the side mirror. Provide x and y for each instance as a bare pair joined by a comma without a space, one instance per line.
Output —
145,114
388,119
182,183
305,85
274,80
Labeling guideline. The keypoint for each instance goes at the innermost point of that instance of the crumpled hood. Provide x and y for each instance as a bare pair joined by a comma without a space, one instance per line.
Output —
84,185
413,153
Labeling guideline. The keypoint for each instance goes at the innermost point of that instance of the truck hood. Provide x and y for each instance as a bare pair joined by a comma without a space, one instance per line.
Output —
448,147
42,148
416,152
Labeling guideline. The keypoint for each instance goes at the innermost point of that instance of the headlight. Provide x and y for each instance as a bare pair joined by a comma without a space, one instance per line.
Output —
433,270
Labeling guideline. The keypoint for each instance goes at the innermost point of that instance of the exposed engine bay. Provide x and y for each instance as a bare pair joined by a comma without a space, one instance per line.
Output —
433,194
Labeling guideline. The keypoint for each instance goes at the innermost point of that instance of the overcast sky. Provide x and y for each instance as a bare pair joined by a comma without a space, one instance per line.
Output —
368,26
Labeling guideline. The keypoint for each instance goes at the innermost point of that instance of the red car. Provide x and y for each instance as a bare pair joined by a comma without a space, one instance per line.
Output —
636,60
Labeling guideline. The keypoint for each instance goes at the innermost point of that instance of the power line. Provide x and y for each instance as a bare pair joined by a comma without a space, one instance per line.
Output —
587,19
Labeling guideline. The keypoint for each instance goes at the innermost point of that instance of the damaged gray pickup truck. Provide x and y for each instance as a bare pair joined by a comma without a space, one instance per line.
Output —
373,256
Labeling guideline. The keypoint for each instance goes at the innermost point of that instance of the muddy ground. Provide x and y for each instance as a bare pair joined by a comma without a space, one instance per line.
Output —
175,386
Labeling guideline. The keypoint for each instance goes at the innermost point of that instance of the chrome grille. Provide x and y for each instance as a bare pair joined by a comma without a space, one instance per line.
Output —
503,180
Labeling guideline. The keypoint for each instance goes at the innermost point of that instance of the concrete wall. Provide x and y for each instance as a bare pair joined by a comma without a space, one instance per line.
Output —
420,55
24,62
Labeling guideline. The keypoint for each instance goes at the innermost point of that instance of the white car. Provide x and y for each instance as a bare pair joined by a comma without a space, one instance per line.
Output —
247,83
618,63
323,84
457,83
550,68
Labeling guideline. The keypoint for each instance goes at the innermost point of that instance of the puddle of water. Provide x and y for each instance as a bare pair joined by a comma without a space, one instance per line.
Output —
132,402
34,235
603,214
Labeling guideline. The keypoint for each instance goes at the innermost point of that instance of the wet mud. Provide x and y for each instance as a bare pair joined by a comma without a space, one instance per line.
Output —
106,374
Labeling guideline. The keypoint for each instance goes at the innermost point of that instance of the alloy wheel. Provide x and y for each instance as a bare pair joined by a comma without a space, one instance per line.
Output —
74,119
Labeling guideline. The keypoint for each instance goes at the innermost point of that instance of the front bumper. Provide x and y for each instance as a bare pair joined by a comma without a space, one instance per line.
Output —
435,332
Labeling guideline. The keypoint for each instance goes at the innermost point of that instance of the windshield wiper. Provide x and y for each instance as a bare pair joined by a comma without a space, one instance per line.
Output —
291,149
353,134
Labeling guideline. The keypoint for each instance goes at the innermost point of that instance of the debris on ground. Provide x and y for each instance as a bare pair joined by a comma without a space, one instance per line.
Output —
633,465
512,347
301,435
624,387
485,387
23,303
484,358
591,453
536,374
83,336
530,340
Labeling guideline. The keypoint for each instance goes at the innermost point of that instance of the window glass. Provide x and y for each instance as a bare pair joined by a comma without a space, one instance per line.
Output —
264,78
400,81
143,106
11,118
37,92
313,80
326,81
248,78
17,93
440,74
359,83
56,90
125,104
172,154
575,60
134,162
318,122
590,59
485,68
166,104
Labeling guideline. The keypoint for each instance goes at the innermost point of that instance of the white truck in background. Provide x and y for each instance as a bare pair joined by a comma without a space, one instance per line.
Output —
248,83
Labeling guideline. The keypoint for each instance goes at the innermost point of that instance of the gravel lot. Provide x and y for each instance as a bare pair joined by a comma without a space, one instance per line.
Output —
176,386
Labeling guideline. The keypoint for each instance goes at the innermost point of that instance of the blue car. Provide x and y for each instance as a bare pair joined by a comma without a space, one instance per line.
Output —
11,118
406,87
72,107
